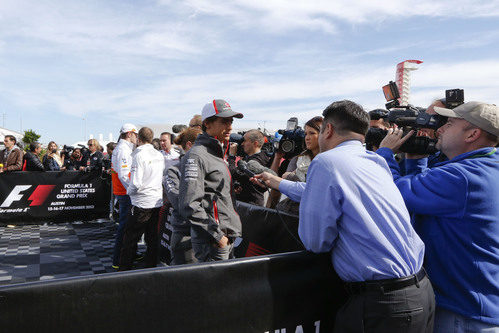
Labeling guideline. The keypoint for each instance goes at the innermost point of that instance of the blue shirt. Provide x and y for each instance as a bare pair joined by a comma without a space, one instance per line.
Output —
351,208
456,210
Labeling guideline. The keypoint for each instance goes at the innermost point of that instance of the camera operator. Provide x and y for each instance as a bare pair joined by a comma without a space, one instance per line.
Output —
31,160
52,160
206,197
351,209
298,166
456,210
252,145
94,162
75,160
180,243
377,119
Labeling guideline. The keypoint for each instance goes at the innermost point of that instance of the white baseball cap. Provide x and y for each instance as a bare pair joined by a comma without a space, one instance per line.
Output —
219,108
128,128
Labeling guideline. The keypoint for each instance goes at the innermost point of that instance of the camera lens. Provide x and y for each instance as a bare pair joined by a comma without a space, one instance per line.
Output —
287,146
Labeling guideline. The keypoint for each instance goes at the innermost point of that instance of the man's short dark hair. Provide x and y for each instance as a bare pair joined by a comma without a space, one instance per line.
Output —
33,146
111,145
166,133
146,135
11,138
347,116
256,135
207,120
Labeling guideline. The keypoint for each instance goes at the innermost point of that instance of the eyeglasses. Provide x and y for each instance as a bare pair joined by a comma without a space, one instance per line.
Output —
90,144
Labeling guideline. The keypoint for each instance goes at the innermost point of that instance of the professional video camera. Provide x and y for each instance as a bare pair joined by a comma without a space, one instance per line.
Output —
413,118
293,139
238,138
66,151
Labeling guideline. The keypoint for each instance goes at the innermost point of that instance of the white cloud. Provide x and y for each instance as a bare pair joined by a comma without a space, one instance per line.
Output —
269,59
280,15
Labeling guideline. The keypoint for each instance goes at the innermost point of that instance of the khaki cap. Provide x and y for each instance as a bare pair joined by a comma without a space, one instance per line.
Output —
482,115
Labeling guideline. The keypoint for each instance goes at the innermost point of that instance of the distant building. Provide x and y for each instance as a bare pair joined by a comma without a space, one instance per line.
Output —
5,131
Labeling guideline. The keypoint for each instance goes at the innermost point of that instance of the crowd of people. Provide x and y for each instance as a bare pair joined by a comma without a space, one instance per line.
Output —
414,237
13,158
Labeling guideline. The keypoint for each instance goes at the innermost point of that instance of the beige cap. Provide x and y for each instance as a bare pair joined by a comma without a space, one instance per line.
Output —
482,115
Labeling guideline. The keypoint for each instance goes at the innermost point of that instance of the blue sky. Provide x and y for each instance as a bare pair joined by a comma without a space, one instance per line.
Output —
160,61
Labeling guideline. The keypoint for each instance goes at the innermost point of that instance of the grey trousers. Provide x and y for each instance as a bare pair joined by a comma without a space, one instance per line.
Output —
208,251
410,309
181,248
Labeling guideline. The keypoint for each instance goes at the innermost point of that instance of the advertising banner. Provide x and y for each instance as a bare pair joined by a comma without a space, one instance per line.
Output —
59,196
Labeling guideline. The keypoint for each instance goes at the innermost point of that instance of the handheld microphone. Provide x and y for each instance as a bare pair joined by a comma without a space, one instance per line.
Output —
243,167
257,168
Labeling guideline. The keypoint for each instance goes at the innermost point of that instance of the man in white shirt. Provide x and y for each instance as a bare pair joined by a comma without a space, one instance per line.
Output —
146,194
121,162
170,154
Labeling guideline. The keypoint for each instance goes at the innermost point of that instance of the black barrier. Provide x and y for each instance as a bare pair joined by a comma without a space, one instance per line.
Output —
266,231
296,291
27,197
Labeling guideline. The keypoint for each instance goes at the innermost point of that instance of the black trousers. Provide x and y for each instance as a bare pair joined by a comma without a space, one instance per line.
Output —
410,309
140,221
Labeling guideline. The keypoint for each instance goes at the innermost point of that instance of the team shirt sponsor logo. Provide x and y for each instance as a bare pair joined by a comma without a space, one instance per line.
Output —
191,169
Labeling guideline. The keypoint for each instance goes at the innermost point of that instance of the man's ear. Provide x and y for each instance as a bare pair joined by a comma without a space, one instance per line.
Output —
473,134
328,130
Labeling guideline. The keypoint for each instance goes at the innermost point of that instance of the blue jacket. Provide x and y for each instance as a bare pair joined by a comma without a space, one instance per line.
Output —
456,213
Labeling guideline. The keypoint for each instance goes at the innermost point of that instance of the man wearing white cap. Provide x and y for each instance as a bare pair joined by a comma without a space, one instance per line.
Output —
206,198
121,163
456,207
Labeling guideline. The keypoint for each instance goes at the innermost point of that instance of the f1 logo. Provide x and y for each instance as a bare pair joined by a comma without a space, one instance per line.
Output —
15,195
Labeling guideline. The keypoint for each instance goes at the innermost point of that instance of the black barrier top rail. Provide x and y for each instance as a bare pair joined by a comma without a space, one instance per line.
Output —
241,295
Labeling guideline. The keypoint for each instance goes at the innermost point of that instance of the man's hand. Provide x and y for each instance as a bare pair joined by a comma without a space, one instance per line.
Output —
268,179
233,149
223,242
394,139
238,189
